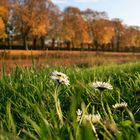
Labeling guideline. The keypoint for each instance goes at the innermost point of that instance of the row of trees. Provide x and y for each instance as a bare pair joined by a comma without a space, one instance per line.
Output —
34,22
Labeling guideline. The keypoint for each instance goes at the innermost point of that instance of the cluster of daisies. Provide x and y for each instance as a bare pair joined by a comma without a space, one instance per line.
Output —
62,78
94,118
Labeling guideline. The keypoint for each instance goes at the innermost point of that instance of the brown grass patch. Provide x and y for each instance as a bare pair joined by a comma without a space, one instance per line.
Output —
13,58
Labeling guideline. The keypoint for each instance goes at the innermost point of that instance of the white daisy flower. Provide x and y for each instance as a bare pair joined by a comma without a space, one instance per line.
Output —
95,118
87,117
60,78
79,115
101,85
79,112
120,105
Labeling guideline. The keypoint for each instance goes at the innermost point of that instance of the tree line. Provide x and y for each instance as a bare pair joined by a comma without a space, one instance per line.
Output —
39,24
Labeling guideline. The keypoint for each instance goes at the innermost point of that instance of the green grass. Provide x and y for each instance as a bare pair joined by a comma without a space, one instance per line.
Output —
33,108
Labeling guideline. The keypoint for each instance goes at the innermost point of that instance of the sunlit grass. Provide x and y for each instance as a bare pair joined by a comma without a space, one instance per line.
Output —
34,107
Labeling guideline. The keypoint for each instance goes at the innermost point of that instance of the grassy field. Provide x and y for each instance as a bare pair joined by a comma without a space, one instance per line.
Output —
35,107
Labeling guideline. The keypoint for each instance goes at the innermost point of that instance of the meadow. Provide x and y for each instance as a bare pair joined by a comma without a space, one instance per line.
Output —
35,106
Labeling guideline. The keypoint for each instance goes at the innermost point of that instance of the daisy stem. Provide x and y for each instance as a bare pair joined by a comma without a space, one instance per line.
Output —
122,115
109,134
102,104
57,105
94,130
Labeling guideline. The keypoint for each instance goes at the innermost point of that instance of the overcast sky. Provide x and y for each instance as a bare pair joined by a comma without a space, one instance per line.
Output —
126,10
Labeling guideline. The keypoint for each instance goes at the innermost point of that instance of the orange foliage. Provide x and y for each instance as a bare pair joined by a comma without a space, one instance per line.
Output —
103,31
31,18
4,13
3,17
74,28
40,27
2,28
130,38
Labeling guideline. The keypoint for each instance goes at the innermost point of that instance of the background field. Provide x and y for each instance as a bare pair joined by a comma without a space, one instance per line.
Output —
32,107
13,58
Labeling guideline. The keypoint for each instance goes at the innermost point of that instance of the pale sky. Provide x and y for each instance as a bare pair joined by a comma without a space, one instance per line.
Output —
126,10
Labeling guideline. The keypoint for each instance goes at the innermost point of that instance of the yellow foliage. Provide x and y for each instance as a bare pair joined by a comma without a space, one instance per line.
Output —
74,28
30,20
130,38
103,31
3,13
2,29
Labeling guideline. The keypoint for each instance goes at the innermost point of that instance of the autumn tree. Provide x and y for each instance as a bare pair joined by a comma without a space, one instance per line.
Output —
119,30
138,38
130,38
40,22
74,27
103,32
4,10
2,29
4,15
54,16
30,18
89,16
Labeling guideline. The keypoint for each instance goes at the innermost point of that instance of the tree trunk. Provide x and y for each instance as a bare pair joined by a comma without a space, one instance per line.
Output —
34,42
96,45
9,43
53,43
73,45
82,46
118,46
42,42
25,42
